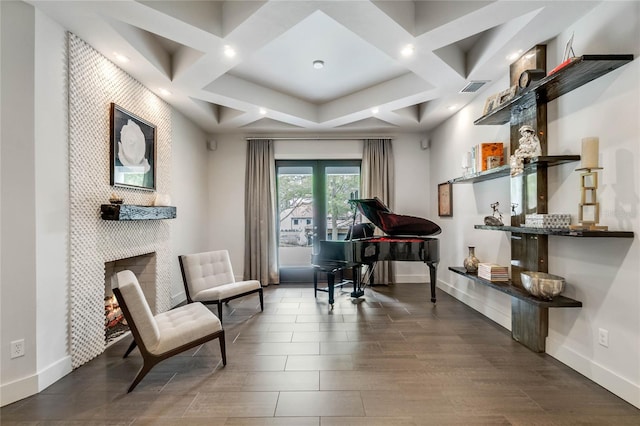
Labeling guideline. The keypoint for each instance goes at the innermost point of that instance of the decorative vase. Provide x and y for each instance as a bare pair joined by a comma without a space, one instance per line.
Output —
471,262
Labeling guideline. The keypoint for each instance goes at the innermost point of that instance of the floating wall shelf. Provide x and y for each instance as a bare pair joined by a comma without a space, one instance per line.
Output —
560,232
134,212
577,73
547,160
519,293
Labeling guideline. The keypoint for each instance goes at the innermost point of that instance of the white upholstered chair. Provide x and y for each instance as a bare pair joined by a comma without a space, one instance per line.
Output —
166,334
208,278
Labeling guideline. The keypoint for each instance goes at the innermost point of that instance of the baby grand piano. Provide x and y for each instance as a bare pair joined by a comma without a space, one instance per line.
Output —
407,238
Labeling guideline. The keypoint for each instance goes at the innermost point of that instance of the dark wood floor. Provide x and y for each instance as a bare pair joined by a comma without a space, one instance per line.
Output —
391,359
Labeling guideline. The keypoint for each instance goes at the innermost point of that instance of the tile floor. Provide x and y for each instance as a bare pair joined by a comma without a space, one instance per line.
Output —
390,359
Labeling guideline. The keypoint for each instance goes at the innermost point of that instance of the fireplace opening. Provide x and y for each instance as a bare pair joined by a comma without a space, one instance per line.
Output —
115,325
144,267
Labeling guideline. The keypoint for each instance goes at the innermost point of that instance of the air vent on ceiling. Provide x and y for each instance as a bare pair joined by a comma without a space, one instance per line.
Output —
473,86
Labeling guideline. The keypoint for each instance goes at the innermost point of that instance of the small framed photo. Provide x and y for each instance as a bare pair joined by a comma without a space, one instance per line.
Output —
133,150
445,199
507,95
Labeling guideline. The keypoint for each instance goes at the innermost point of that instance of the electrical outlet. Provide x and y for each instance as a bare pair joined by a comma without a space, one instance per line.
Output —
603,337
17,348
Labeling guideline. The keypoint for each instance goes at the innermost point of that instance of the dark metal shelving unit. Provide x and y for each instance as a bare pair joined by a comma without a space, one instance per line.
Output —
530,315
577,73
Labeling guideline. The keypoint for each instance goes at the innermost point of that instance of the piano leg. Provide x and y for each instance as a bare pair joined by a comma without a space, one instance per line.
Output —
331,283
433,272
357,282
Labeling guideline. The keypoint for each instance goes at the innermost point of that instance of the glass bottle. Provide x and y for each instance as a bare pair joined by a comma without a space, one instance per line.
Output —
471,262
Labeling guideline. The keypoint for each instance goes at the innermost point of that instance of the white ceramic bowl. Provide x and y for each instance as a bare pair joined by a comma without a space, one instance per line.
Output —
543,285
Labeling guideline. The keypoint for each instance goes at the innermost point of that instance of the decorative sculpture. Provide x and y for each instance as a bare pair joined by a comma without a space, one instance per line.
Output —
496,218
528,146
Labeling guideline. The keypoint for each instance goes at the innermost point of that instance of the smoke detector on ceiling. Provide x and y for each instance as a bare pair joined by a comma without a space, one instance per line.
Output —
473,86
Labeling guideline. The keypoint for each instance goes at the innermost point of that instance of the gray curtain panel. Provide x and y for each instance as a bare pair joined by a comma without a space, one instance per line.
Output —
260,253
378,181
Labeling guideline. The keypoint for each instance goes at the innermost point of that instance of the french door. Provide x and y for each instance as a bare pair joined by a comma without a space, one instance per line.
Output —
313,205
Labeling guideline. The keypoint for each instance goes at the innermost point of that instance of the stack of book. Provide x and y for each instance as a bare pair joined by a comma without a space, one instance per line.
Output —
493,272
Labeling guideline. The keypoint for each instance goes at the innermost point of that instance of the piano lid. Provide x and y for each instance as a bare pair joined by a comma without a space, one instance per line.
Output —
394,224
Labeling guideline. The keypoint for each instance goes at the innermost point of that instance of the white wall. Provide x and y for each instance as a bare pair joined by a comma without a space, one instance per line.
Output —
471,202
601,273
227,175
190,195
52,193
18,187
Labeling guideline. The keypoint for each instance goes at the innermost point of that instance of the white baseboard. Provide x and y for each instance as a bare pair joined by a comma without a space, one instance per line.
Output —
19,389
500,317
413,278
31,385
606,378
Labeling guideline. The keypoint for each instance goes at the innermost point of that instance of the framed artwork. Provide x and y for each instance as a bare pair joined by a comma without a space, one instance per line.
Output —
445,199
133,150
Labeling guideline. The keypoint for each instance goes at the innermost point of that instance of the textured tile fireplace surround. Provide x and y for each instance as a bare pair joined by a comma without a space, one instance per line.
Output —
95,82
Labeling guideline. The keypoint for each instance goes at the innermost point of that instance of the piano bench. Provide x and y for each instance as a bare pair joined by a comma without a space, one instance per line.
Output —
332,269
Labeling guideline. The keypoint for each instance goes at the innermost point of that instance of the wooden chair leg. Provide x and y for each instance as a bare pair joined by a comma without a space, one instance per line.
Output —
146,367
223,348
261,300
220,310
132,346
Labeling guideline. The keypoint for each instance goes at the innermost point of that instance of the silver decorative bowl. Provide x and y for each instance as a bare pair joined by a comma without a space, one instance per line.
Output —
542,285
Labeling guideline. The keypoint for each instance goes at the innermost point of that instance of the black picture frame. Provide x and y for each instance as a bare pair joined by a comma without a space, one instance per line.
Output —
445,199
133,161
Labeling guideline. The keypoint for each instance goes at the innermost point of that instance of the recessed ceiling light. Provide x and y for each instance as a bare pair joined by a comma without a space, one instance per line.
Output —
229,52
515,55
375,110
318,64
164,91
263,111
407,50
120,57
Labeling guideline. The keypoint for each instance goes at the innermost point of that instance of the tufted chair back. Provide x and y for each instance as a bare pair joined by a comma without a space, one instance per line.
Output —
207,270
208,278
138,307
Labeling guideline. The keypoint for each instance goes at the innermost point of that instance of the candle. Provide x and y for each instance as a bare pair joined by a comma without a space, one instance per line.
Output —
589,156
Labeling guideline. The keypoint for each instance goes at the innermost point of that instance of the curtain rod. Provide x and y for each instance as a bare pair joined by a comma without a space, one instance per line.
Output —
322,138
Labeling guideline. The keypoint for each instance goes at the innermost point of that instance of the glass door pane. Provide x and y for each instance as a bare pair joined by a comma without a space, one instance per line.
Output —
342,183
296,211
312,206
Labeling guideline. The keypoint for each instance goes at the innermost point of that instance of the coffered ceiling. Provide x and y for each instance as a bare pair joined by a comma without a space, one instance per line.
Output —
270,85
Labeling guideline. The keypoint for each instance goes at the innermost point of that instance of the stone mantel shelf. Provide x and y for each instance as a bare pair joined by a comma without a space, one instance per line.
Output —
135,212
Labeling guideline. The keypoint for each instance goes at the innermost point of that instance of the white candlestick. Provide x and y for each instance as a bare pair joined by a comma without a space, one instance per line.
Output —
589,156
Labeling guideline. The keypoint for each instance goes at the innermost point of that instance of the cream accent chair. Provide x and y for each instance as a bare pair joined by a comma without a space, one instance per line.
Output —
164,335
208,278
